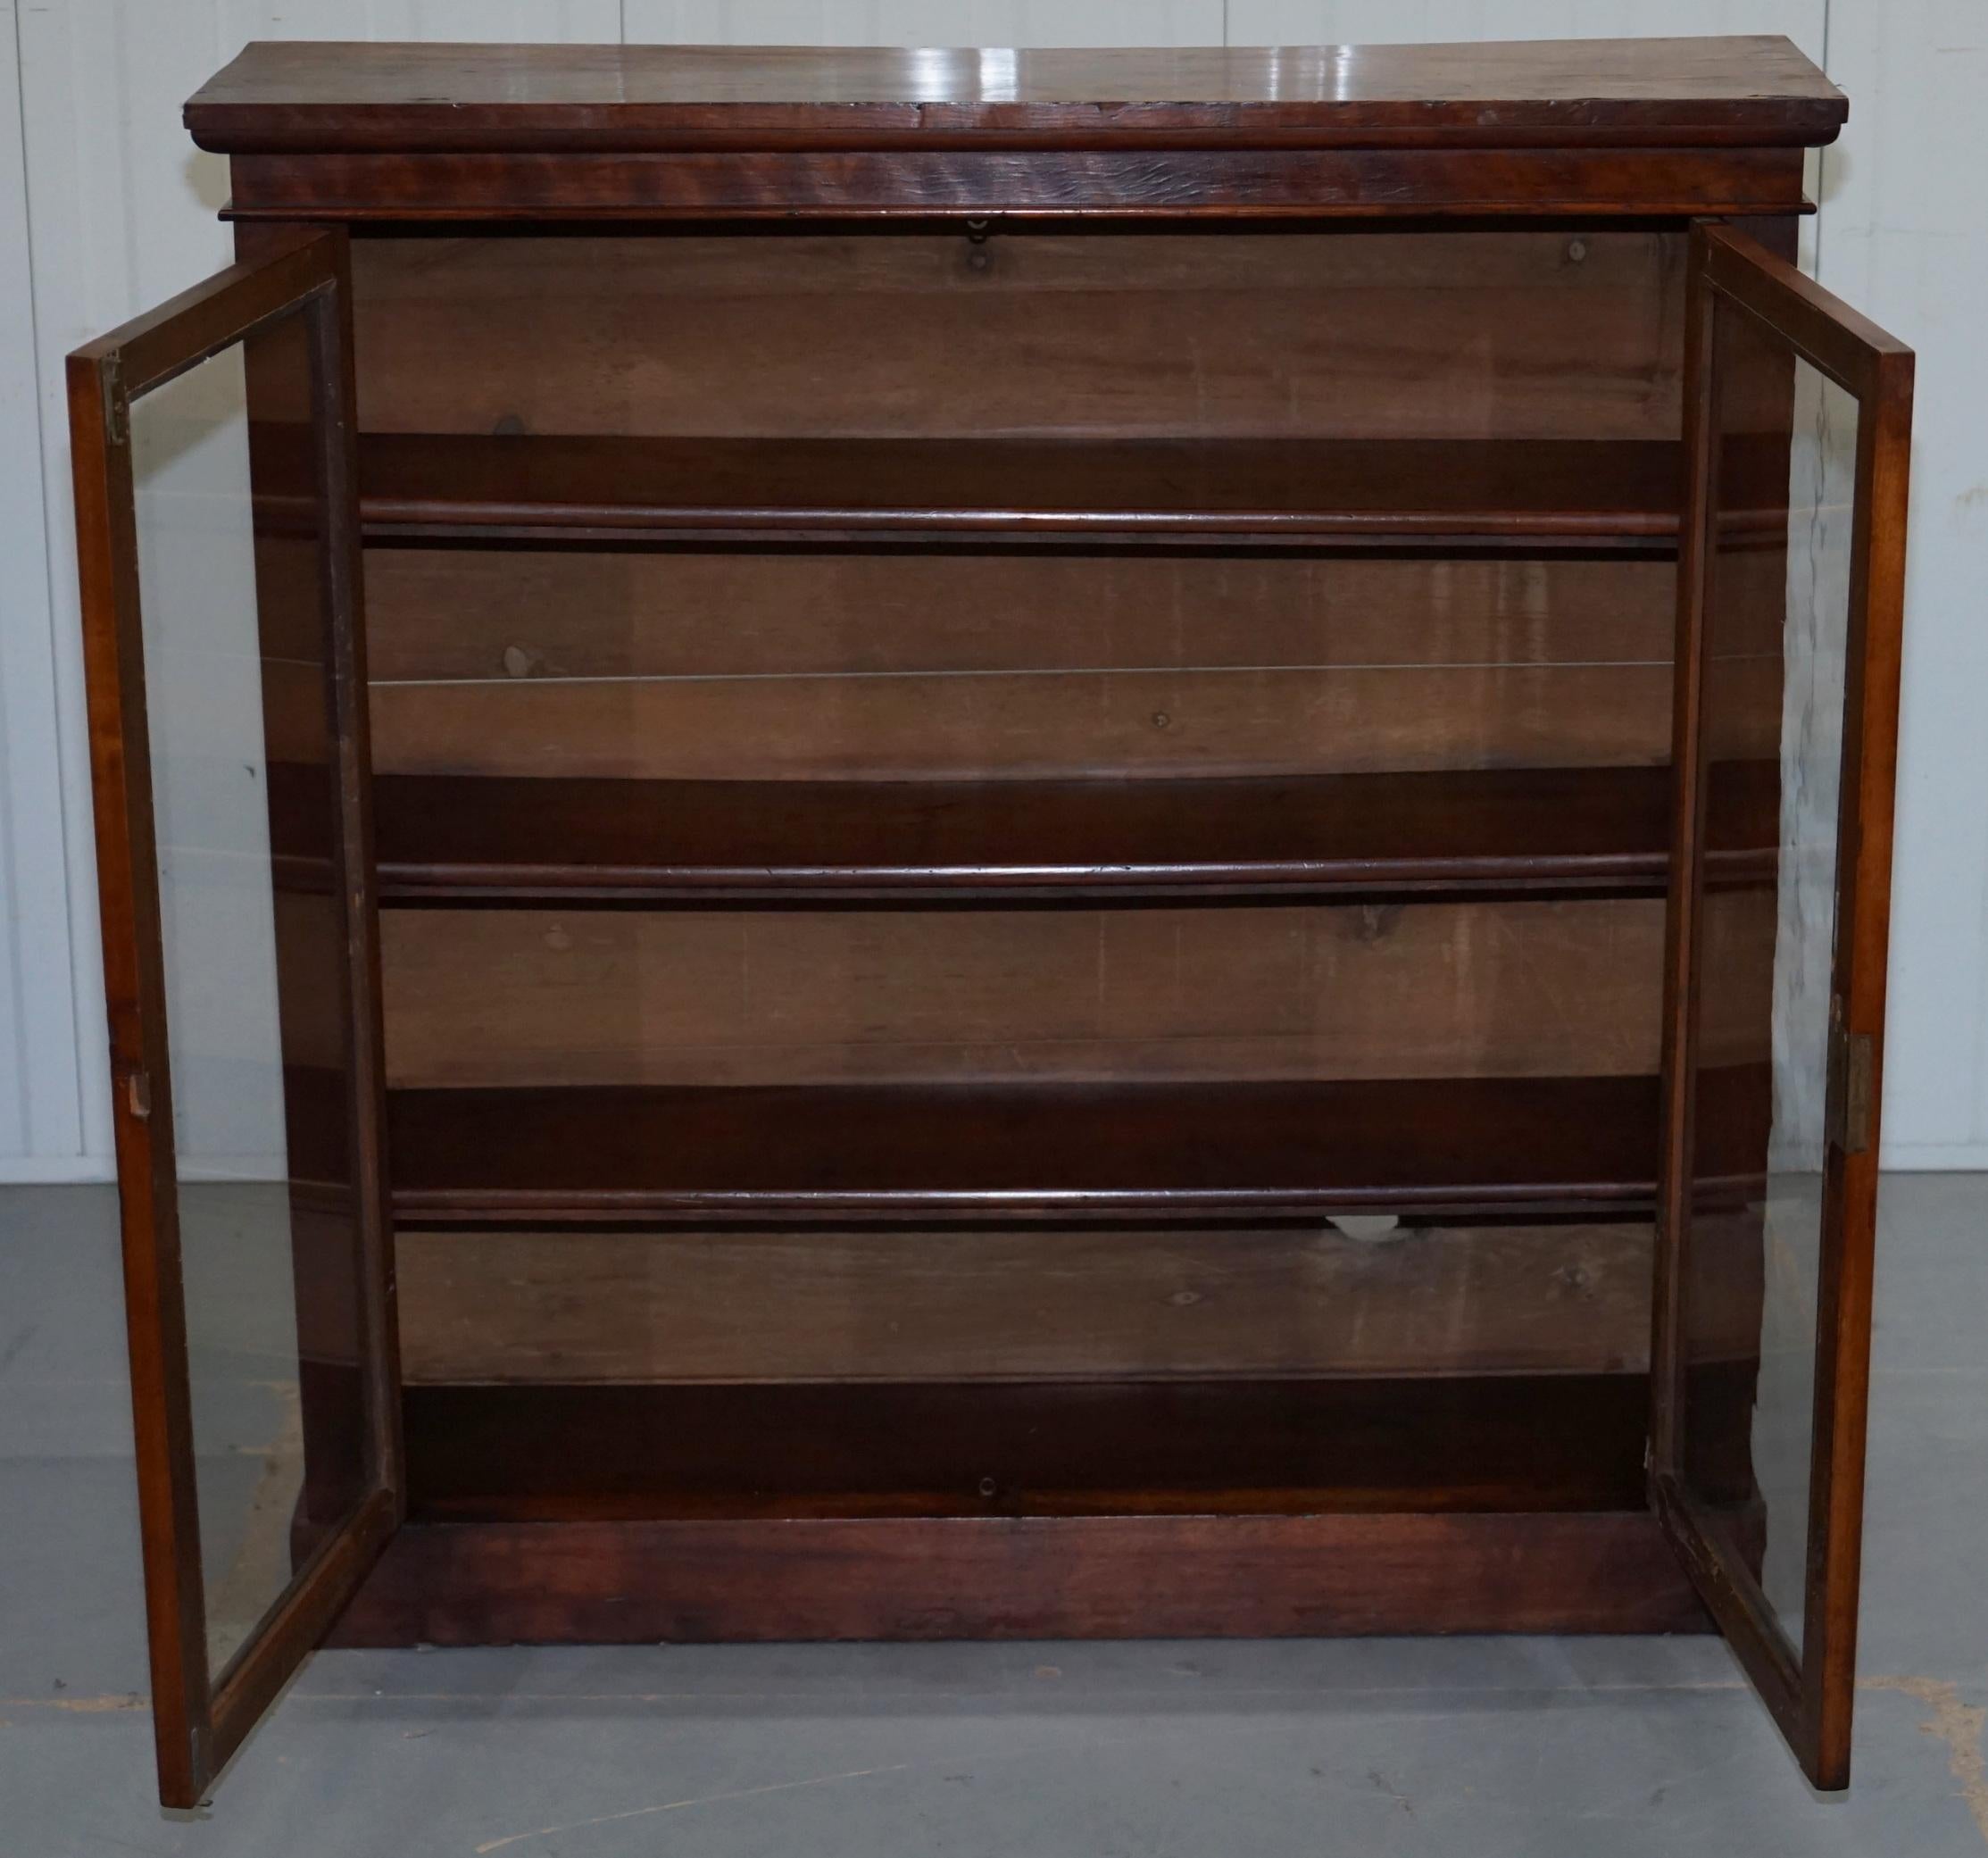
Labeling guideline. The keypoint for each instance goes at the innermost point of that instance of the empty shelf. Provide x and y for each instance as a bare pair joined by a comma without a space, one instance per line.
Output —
1577,492
1000,1150
442,836
1044,1449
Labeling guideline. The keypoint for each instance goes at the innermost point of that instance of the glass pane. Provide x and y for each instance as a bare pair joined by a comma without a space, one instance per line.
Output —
1776,625
230,588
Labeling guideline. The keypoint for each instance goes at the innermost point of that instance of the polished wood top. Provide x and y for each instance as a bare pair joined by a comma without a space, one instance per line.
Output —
303,96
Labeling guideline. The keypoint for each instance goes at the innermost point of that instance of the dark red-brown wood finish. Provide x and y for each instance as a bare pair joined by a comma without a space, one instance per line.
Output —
1526,494
1536,831
640,587
201,1715
301,98
1097,184
1411,1145
363,132
1051,1577
1810,1688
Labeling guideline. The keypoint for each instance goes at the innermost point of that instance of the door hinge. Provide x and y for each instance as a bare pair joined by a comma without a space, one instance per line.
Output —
1856,1061
117,409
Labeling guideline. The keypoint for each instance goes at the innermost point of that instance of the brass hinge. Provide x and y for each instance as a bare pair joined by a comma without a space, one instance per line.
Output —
1856,1061
117,409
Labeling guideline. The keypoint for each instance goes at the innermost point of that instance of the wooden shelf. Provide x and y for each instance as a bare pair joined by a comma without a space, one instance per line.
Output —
620,1582
1531,492
1271,1447
466,837
1056,1150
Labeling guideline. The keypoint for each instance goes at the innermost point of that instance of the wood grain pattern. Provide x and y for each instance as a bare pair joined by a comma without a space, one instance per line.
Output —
901,1305
445,614
614,1583
505,997
1013,725
1450,335
1250,185
404,97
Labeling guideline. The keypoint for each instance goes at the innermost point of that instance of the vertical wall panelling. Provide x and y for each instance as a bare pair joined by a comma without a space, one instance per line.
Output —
41,1133
1270,22
579,22
465,22
110,209
105,207
121,214
1903,236
925,22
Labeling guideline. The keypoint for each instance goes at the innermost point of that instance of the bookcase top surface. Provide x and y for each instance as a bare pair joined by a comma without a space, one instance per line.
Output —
307,96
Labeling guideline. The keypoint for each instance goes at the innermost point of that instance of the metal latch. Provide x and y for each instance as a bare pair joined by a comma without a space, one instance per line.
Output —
1856,1061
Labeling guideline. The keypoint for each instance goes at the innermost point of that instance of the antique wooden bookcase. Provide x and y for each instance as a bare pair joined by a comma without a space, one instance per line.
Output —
997,843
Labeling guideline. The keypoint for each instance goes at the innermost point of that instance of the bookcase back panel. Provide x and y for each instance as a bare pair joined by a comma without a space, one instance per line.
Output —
1345,333
519,614
897,1305
769,667
637,663
1016,725
510,997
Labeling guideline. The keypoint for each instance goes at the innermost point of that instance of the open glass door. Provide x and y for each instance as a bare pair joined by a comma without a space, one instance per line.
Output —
217,530
1797,426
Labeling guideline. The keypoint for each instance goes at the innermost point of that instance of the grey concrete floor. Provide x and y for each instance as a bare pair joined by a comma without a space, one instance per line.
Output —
1486,1746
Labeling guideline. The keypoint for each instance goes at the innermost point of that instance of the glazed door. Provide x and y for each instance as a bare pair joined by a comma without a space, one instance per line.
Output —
216,524
1797,423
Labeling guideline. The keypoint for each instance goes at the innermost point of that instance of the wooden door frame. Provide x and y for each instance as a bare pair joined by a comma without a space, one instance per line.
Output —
1809,1689
200,1717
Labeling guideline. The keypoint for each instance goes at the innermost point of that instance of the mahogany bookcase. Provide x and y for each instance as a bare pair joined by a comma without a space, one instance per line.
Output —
997,843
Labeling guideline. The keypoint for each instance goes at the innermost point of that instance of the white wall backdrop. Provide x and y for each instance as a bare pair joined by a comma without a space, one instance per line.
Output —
105,207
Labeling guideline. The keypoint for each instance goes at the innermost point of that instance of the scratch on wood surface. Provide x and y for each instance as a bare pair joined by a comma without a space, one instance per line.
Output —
1960,1726
610,1819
